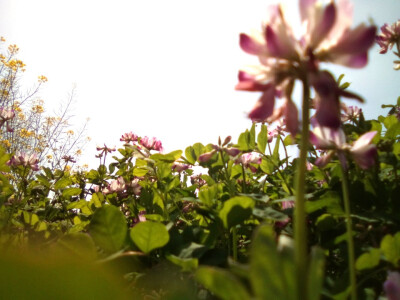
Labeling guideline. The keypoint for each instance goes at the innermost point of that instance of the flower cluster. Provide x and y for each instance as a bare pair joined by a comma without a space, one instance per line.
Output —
26,160
390,36
221,147
151,143
334,141
327,37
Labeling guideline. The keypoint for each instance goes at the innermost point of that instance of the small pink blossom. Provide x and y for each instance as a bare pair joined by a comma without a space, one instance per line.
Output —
116,186
135,186
389,36
247,159
140,218
205,157
392,286
26,160
334,140
6,115
151,143
351,113
179,167
129,137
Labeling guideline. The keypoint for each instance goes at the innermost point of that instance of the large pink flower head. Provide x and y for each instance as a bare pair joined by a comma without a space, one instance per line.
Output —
334,141
326,37
24,159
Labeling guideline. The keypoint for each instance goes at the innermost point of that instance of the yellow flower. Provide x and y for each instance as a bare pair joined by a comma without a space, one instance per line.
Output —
42,79
6,143
70,132
78,152
49,156
38,109
2,39
13,49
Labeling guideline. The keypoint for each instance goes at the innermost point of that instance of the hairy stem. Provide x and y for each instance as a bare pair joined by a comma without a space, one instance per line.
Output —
349,229
300,233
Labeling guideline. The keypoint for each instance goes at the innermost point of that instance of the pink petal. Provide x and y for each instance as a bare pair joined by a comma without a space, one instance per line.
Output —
321,24
364,140
327,100
291,117
250,45
365,158
355,41
279,43
324,159
264,106
248,82
305,6
344,18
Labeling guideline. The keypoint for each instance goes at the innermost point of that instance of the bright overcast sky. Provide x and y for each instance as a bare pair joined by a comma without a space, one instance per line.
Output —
162,68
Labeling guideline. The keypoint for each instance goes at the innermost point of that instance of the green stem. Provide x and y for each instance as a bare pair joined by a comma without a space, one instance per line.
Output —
300,233
349,229
234,243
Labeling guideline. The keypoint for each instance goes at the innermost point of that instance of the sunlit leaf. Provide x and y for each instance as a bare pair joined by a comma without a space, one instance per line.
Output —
149,236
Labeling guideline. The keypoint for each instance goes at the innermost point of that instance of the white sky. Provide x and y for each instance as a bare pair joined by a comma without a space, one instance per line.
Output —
162,68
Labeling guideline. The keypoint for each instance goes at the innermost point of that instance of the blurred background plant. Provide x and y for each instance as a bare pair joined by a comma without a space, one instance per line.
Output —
25,126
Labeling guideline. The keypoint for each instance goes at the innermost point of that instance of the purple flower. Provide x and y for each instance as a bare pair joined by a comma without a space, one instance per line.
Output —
205,157
179,167
26,160
351,113
392,286
334,141
327,38
116,186
389,36
151,143
247,159
129,137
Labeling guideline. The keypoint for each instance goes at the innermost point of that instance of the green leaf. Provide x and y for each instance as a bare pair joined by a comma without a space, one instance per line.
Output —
267,166
187,264
247,139
108,228
222,283
236,210
63,182
207,194
190,155
78,244
390,247
170,157
262,139
149,236
140,171
74,191
316,274
164,169
266,272
369,259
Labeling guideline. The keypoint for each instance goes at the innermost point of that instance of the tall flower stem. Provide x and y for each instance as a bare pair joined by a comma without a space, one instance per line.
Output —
349,230
300,233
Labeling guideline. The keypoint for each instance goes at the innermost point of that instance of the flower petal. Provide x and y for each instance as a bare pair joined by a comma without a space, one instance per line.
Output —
320,24
364,140
264,106
291,117
305,6
251,45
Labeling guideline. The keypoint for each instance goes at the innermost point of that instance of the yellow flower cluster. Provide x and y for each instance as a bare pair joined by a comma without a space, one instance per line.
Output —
13,49
38,109
6,143
42,79
25,133
15,64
